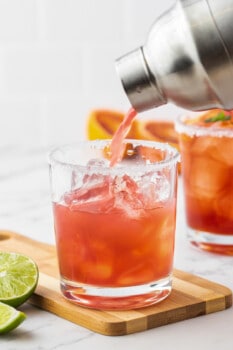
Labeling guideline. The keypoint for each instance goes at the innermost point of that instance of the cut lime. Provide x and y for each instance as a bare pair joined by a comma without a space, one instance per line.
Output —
10,318
18,278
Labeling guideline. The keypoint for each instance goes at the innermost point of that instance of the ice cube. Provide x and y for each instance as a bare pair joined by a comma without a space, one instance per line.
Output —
224,150
124,184
76,179
126,197
93,195
154,188
90,179
202,144
95,163
95,185
103,193
207,177
218,148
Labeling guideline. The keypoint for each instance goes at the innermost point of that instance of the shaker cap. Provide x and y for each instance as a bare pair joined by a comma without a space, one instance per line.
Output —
138,82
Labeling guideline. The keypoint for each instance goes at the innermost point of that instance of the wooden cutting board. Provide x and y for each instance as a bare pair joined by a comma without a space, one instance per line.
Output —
192,296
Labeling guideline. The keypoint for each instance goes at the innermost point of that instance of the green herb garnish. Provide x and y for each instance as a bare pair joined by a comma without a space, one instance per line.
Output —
220,117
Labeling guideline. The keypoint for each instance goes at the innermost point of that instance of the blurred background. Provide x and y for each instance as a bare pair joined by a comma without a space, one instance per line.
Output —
57,63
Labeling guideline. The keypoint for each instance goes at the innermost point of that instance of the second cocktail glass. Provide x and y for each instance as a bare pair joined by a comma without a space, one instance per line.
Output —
206,146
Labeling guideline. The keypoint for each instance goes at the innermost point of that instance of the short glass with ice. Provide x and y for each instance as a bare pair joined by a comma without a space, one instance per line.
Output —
114,226
206,146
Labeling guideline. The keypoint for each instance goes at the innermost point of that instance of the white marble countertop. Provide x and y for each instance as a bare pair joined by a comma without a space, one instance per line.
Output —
25,208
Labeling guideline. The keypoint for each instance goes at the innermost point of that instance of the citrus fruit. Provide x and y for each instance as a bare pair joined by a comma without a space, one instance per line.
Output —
158,130
219,117
18,278
103,123
10,318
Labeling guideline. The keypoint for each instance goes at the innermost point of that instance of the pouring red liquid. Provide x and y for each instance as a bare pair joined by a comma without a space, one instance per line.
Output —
117,147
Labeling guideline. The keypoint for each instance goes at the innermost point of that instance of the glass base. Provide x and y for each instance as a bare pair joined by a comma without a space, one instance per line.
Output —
212,242
118,298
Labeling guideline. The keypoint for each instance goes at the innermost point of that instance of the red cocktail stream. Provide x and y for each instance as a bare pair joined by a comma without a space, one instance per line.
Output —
117,146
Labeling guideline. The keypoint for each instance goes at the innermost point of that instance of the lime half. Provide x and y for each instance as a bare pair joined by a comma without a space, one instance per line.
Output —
10,318
18,278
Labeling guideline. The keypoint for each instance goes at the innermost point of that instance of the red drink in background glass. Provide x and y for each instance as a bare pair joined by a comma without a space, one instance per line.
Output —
206,145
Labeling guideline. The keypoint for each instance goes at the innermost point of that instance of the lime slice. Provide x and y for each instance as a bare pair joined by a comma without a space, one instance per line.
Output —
10,318
18,278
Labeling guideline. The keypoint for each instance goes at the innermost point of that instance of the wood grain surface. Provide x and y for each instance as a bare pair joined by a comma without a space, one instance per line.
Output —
191,296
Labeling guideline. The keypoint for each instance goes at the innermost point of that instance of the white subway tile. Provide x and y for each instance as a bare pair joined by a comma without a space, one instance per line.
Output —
2,60
140,16
20,121
106,99
57,63
17,21
45,69
100,75
64,120
84,20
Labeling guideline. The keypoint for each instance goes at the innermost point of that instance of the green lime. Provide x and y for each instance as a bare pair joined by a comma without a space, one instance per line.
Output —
18,278
10,318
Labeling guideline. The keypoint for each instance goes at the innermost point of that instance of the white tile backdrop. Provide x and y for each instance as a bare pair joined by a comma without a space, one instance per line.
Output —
57,62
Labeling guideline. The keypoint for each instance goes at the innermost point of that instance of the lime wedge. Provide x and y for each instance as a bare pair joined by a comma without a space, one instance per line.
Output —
18,278
10,318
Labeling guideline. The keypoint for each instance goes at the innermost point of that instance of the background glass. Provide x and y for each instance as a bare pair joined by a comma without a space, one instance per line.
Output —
207,172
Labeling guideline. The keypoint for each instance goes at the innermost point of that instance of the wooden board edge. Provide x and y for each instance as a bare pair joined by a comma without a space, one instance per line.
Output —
203,282
117,328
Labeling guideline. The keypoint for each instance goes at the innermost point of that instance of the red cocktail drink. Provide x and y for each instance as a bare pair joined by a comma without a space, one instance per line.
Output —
115,225
206,144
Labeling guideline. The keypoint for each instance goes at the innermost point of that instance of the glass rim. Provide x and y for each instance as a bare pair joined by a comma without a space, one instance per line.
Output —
198,130
172,159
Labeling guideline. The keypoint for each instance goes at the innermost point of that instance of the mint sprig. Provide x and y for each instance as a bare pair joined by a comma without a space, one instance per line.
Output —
221,116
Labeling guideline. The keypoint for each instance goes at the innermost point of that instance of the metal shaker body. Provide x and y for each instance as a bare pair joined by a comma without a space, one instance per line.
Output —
187,59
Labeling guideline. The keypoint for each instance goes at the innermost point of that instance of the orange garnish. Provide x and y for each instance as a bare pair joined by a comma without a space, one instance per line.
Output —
158,130
214,117
103,123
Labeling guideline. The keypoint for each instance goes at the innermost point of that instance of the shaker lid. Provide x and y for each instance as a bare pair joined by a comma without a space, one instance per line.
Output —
138,82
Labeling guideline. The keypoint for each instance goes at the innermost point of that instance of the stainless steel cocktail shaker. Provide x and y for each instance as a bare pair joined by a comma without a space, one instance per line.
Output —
187,59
